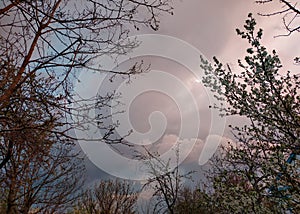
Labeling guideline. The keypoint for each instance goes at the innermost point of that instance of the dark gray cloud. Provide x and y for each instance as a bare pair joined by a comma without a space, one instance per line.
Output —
209,26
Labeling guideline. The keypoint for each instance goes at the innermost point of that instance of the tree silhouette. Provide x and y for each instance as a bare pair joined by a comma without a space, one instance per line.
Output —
57,39
265,181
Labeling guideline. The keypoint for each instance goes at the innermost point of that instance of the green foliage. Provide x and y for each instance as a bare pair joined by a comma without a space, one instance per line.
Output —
253,176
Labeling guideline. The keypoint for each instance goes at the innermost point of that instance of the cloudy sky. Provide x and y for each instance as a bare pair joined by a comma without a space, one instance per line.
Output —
169,105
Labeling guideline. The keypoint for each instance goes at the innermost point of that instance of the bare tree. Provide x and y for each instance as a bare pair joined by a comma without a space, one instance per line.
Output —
116,197
44,184
290,14
43,46
193,201
164,180
43,171
57,39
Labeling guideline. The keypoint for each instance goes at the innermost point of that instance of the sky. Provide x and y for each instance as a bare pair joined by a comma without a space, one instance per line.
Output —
169,104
